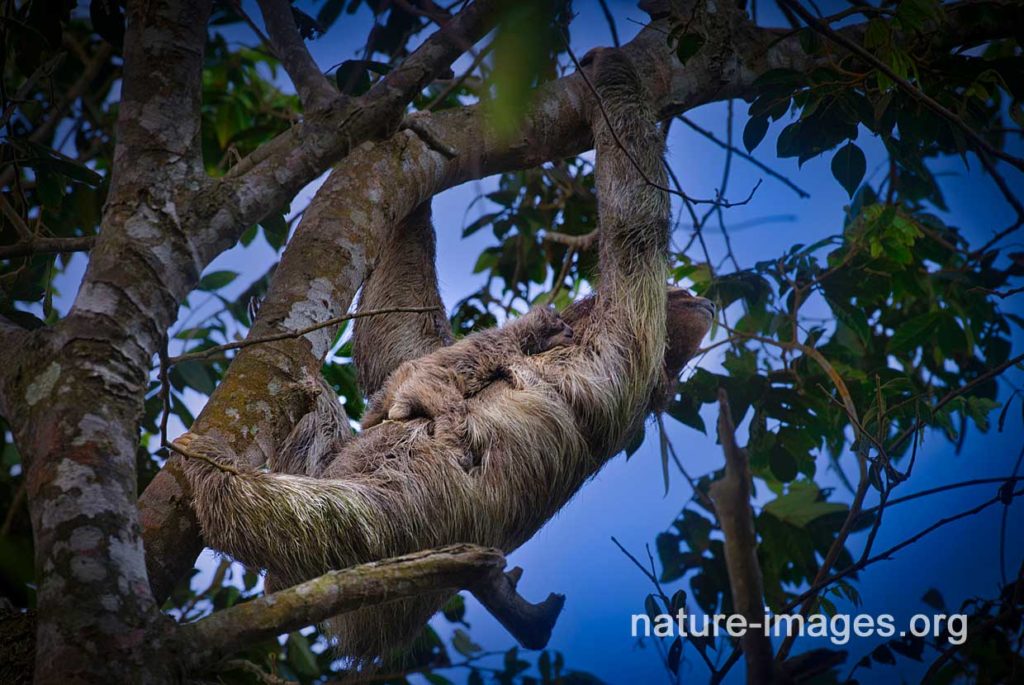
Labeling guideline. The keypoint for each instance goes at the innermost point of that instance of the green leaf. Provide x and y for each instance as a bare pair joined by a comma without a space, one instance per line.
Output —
675,653
782,464
753,132
38,156
914,333
801,505
849,166
195,376
464,644
215,280
300,656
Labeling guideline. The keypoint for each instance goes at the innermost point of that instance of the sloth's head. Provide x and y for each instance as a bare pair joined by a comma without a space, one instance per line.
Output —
689,319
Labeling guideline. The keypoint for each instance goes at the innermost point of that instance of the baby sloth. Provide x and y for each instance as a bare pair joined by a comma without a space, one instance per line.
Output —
432,386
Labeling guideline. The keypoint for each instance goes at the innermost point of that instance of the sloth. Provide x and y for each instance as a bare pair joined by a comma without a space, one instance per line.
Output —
535,432
439,383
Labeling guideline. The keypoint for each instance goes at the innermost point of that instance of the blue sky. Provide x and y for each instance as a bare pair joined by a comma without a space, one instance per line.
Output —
573,554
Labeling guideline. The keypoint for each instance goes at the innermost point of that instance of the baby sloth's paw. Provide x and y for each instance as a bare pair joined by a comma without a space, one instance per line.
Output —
401,410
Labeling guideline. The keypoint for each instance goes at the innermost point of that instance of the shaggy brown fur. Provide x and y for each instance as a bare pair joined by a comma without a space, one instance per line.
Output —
538,433
403,275
439,383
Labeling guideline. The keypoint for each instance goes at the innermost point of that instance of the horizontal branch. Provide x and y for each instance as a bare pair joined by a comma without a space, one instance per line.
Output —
39,245
209,640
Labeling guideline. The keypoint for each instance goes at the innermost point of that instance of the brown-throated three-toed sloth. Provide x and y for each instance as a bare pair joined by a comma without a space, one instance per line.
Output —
438,384
534,432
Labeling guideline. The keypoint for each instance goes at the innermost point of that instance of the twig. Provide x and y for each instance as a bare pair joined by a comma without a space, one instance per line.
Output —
454,85
743,155
34,246
20,227
562,273
274,337
1002,523
953,394
611,22
859,565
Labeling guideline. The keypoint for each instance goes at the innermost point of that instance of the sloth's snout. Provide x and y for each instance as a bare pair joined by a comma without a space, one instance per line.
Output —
704,304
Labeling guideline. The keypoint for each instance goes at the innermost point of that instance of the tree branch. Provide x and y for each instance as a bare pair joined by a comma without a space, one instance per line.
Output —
315,91
530,624
40,245
269,177
731,495
209,640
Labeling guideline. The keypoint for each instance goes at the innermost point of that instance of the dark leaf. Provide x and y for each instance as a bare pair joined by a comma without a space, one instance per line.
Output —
753,132
849,166
688,45
675,653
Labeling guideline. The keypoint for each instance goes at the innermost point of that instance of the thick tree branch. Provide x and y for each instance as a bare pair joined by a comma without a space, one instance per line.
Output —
79,386
223,633
731,495
314,90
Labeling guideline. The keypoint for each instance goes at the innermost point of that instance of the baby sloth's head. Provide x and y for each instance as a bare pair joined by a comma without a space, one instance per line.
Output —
544,329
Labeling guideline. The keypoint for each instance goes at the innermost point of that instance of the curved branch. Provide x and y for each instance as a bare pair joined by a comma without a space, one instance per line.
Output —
208,641
731,495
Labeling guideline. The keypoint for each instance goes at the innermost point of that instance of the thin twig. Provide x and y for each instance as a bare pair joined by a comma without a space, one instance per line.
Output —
34,246
611,22
454,85
274,337
743,155
860,565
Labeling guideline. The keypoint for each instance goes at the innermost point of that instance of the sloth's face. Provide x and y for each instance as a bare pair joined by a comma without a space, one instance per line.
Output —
689,319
